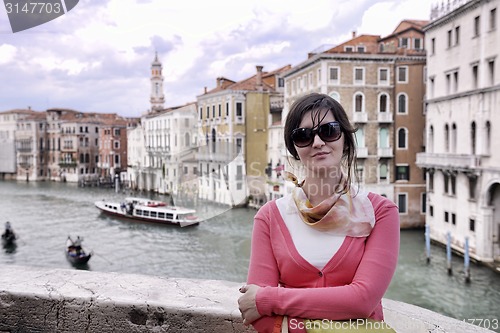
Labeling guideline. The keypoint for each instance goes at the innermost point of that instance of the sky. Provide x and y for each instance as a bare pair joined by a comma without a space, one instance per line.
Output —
97,57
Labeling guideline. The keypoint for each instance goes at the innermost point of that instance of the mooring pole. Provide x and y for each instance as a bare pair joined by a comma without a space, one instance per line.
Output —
448,252
428,242
467,261
117,183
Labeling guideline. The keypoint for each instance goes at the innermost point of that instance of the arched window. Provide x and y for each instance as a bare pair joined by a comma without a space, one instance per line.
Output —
446,138
360,137
453,138
335,95
430,144
383,139
383,171
359,103
383,103
214,134
402,101
473,137
402,138
488,137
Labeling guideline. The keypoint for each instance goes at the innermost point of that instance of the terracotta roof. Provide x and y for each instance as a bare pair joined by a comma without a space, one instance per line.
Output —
249,84
405,24
370,42
19,111
36,116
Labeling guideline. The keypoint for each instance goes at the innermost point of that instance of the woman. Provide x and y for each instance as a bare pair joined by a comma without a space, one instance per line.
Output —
326,251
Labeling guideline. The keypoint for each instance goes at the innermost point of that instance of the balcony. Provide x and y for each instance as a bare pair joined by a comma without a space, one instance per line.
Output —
448,161
360,117
362,152
385,117
385,152
67,163
66,149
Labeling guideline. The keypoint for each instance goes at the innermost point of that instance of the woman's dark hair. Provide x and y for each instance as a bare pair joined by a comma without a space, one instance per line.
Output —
316,103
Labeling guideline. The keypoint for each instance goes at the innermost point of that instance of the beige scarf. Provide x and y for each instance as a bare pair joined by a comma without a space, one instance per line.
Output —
341,214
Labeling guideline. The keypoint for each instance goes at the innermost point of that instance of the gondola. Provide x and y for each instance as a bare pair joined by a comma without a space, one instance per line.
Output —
75,253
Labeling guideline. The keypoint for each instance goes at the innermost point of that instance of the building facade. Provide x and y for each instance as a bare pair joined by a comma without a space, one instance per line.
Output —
30,139
463,104
62,145
234,121
8,154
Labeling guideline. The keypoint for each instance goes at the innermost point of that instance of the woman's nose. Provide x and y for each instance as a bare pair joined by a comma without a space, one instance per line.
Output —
317,142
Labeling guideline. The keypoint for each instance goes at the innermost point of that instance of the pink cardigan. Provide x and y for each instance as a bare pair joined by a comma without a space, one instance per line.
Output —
350,286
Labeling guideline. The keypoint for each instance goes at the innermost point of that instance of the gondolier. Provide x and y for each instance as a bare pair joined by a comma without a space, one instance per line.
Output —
8,237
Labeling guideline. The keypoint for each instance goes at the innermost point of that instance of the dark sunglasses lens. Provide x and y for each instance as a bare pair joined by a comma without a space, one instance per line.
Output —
302,137
329,132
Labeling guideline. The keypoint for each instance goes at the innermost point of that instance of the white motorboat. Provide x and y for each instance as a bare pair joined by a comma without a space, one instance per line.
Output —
150,211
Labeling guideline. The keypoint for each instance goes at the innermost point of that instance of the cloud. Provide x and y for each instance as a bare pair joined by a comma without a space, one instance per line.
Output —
7,53
97,57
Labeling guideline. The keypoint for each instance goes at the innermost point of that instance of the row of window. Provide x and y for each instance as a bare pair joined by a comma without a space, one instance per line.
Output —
383,102
383,137
306,81
217,112
158,124
164,140
450,184
452,218
452,78
415,43
453,35
402,200
402,172
450,137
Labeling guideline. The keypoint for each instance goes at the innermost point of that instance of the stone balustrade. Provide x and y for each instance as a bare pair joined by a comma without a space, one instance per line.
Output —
36,299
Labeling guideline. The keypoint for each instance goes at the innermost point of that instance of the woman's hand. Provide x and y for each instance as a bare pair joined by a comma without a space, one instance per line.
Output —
247,304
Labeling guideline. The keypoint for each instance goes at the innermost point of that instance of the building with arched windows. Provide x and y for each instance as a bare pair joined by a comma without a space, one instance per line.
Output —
463,106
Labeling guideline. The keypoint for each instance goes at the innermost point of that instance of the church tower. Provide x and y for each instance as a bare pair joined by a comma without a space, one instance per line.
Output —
157,97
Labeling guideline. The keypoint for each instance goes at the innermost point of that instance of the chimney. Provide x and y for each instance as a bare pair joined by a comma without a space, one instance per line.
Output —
258,78
353,34
205,89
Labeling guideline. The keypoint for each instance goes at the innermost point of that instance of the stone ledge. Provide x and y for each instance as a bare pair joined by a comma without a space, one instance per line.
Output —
62,300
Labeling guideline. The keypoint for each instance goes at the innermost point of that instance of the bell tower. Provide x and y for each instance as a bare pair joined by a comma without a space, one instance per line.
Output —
157,97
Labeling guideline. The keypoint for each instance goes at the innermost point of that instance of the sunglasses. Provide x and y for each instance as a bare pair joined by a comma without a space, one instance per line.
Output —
329,132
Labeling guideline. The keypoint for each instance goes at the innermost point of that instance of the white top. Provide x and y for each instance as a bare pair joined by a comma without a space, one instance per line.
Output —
317,247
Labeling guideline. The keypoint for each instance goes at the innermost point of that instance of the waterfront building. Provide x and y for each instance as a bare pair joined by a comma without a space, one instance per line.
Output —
170,138
112,141
72,145
8,127
234,120
61,144
380,83
463,104
31,155
162,147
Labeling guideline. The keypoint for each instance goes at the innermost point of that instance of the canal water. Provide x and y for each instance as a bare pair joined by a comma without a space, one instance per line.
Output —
43,214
